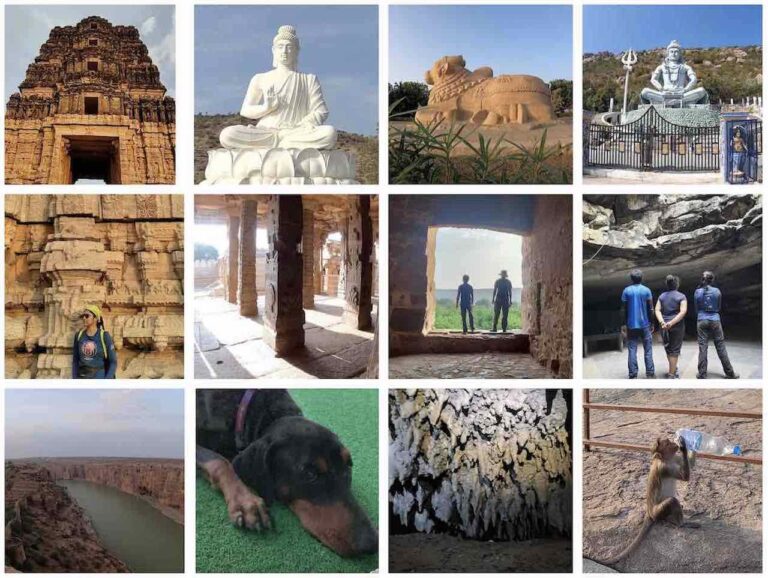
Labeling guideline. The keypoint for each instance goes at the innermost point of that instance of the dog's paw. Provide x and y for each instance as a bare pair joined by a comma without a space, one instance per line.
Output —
247,510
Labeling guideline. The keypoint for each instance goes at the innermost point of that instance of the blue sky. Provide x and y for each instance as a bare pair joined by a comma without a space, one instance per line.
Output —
145,423
479,253
535,40
338,43
617,28
27,28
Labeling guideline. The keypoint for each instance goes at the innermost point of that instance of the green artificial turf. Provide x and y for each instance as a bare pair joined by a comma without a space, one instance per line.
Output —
353,415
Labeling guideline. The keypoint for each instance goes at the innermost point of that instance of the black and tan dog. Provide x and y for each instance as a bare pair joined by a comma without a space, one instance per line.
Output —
256,447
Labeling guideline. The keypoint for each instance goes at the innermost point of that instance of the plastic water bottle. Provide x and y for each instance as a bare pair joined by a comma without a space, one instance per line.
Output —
708,444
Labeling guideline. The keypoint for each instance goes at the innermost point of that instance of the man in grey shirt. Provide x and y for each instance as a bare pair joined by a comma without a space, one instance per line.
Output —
502,299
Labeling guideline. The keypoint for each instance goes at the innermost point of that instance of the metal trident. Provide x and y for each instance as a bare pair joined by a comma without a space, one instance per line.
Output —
628,59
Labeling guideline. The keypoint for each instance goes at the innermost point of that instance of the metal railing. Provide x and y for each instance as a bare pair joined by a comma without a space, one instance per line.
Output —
588,443
652,143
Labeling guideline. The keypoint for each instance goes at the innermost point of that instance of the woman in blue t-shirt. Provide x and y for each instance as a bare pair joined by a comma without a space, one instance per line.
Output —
670,311
93,351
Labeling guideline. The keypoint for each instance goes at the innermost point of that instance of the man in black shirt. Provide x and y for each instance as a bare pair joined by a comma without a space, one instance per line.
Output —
502,299
466,298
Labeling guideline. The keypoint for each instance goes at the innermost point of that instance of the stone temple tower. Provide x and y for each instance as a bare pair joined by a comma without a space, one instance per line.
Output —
91,107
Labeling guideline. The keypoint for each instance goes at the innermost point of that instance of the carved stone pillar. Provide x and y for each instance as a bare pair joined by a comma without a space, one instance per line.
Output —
358,269
308,257
246,288
234,257
284,315
317,270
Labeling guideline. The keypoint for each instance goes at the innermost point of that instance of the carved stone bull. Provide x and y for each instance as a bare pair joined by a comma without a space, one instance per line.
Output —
461,96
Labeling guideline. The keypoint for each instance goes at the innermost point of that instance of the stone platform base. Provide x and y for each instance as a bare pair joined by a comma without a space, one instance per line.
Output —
444,342
694,116
265,166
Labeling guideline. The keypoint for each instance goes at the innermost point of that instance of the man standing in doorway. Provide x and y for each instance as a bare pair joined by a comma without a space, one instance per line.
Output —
502,299
709,326
466,298
637,312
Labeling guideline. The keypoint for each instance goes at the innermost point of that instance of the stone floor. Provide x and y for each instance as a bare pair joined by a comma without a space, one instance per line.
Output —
745,357
493,365
230,346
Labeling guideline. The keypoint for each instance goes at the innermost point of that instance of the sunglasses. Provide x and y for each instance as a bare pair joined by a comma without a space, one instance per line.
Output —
86,315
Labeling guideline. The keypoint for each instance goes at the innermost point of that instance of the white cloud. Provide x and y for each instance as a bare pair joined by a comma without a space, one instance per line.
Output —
148,26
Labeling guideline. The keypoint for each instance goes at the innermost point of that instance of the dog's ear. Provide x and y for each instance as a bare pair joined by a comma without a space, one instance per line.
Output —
253,468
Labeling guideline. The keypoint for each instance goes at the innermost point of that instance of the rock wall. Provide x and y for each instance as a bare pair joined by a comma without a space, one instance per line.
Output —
161,482
45,530
682,235
547,300
483,463
122,252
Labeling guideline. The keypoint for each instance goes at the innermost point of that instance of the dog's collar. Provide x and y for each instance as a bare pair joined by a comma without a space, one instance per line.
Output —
242,411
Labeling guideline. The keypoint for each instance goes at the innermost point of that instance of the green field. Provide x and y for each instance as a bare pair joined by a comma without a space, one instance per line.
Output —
448,316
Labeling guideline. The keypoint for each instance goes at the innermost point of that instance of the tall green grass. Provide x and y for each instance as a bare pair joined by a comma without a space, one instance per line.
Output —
448,316
428,154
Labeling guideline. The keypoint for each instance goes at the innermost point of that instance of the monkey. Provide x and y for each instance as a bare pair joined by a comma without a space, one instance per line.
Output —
661,503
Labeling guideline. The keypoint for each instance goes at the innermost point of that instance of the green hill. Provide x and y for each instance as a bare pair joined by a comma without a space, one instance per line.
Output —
726,73
208,128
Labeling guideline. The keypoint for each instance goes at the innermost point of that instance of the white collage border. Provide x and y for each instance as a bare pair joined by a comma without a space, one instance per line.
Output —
184,22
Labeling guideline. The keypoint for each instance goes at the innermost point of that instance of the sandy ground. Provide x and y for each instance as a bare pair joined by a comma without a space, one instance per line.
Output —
444,553
560,131
724,498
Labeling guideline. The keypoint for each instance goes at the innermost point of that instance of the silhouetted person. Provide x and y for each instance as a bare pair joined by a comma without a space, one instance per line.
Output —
466,298
502,299
708,300
637,312
671,308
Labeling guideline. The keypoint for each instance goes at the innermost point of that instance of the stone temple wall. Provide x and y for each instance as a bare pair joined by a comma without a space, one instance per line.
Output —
485,463
123,252
547,301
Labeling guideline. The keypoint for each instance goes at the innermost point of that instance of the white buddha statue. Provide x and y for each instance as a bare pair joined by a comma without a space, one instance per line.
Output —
287,104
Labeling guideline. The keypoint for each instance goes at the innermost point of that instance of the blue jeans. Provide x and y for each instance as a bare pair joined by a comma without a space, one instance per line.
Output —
633,336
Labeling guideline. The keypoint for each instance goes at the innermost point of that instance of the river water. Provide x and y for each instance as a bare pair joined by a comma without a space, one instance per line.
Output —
134,531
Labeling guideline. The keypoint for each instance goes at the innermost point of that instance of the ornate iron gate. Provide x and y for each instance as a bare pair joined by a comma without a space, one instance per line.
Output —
652,143
743,144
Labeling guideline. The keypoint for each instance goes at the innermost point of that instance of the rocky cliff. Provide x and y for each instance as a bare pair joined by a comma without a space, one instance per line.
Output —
681,235
483,464
159,481
45,530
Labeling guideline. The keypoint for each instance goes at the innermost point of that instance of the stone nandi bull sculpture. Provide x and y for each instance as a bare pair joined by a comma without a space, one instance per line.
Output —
461,96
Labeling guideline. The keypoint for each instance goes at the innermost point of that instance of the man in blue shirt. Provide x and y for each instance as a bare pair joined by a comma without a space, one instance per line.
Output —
637,308
466,297
708,325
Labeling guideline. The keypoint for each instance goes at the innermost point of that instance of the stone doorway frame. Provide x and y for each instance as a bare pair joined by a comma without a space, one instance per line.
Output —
80,145
429,314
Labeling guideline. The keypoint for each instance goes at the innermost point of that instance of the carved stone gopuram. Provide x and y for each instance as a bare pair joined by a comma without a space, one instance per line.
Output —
91,107
461,96
122,252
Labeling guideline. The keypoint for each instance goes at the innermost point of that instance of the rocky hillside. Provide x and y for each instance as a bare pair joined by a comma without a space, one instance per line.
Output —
726,73
45,530
484,464
160,482
208,128
681,235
